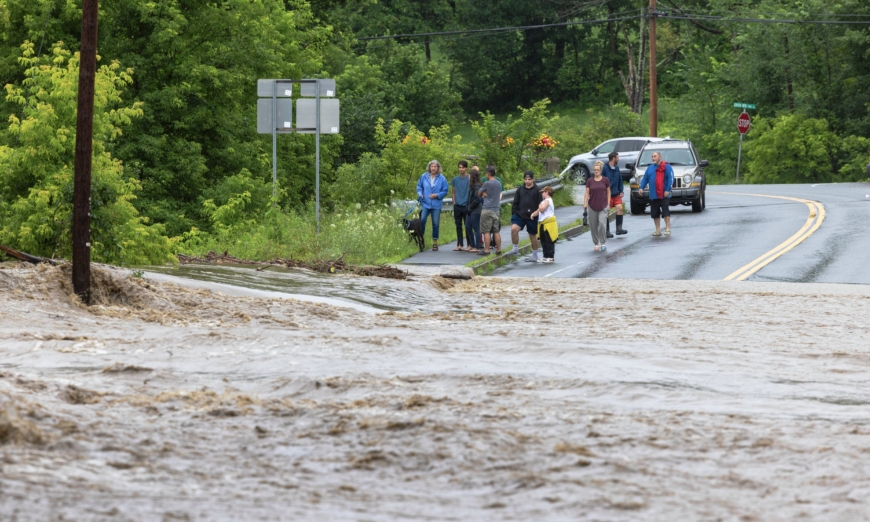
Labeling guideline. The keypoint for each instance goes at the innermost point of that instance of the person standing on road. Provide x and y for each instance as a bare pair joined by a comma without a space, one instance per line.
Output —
548,228
527,198
596,201
431,190
617,190
660,178
460,204
489,216
475,205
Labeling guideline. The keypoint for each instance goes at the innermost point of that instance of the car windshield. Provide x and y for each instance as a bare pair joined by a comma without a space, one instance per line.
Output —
672,156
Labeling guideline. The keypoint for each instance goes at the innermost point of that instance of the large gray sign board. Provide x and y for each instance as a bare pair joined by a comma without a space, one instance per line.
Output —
327,88
264,89
306,115
264,115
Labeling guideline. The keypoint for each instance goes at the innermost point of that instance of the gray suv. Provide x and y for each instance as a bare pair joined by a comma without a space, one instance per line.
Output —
690,183
580,166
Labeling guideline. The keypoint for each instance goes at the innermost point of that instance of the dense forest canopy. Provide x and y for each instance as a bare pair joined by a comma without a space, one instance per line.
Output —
178,98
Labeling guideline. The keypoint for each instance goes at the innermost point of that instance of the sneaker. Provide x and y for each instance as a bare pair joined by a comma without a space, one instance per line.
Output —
603,248
531,260
498,252
667,232
512,253
547,260
482,253
657,233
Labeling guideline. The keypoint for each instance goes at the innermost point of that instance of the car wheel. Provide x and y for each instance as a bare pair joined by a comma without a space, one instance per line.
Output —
637,208
582,174
698,204
704,199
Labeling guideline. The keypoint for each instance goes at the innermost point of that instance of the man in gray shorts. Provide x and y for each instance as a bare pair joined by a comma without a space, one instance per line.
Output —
489,216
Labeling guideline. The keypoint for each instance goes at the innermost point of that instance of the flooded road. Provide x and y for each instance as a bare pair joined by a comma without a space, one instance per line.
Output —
490,399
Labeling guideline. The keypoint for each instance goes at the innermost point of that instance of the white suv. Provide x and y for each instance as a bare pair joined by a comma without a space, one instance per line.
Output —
628,148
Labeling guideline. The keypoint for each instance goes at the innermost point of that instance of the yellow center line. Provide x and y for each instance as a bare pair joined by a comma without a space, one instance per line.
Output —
814,221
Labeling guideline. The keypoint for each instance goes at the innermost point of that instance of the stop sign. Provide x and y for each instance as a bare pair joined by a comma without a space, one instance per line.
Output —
743,122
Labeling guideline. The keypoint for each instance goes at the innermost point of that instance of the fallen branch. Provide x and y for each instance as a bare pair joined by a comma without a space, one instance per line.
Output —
23,256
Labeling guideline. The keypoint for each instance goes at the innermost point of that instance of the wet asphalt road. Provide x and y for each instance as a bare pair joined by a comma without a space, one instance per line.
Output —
732,231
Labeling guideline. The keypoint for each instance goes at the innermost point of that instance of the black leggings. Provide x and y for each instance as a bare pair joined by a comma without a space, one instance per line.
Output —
548,245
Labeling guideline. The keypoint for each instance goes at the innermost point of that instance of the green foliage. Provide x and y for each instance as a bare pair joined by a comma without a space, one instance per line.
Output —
36,169
407,152
418,89
364,234
507,144
795,149
613,122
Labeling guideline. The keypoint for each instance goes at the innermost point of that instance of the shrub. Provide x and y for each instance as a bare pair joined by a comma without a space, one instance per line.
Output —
509,144
36,174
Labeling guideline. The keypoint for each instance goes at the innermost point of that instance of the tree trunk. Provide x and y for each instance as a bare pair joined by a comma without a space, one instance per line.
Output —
788,85
634,83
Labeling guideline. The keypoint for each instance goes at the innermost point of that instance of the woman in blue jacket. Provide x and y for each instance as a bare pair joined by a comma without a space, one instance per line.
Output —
431,190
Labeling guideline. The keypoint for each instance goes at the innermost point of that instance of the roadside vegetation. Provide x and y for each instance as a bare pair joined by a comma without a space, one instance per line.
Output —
179,167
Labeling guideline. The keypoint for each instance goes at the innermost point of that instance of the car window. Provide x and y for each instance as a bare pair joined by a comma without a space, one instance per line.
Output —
607,147
672,156
629,145
624,146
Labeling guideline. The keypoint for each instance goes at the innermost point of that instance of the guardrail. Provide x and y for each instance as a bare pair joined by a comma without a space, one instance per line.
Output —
507,196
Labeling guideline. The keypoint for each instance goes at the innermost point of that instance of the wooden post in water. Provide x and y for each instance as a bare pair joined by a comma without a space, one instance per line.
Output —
81,229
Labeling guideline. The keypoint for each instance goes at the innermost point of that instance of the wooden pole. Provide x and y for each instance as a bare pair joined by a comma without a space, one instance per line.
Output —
653,80
81,232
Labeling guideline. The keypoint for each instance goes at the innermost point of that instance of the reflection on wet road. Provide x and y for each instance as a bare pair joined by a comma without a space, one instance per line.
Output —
733,231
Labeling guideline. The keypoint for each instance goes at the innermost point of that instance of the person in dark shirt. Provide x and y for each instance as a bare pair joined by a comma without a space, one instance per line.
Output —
610,170
597,201
527,198
461,189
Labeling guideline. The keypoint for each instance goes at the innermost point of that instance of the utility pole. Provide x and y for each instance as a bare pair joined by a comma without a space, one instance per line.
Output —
81,231
653,80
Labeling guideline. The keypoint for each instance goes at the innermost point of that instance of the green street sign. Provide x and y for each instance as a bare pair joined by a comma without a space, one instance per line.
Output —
739,105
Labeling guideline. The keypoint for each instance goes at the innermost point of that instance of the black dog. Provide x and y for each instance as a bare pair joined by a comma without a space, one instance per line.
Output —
415,232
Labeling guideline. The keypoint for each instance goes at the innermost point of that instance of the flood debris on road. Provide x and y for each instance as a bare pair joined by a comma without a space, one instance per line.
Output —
325,266
508,399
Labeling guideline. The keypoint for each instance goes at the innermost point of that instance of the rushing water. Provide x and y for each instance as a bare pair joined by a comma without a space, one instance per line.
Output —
542,400
378,293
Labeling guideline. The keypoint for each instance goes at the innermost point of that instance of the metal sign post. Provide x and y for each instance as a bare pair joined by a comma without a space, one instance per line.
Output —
317,159
274,144
317,116
743,123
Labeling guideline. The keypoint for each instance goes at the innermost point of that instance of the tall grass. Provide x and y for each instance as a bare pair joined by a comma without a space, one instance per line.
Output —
371,234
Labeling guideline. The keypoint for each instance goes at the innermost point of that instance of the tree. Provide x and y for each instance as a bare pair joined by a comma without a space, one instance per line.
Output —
36,174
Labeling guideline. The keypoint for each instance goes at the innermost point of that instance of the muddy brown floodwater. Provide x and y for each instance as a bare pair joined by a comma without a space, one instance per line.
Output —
489,399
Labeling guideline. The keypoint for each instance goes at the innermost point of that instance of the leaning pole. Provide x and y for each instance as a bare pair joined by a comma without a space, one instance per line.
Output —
81,228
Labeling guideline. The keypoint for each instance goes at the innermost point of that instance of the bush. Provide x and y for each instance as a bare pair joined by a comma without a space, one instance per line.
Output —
36,175
509,144
791,149
407,151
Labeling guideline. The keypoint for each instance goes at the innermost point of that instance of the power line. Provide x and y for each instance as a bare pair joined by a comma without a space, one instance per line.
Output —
658,14
503,29
798,21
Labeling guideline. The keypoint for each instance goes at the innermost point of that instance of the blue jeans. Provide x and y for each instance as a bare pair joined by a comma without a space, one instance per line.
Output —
436,221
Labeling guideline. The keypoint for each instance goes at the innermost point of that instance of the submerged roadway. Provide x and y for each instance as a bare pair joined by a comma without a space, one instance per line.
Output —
788,233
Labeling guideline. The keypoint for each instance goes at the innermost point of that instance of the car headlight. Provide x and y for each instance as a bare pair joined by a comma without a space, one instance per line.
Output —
687,179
